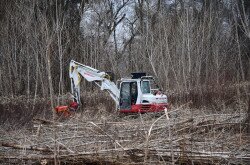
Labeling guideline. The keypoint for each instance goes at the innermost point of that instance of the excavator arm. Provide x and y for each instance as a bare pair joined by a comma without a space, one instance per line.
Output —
101,79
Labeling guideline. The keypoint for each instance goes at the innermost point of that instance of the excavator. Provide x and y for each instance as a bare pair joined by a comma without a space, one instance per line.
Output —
137,94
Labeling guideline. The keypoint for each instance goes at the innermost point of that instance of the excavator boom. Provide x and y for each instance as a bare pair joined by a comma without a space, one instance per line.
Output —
102,79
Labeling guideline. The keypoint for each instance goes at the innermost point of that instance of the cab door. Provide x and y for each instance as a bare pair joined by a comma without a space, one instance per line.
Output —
128,95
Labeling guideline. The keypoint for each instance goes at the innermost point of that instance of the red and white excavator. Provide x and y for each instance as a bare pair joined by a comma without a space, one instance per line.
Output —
131,95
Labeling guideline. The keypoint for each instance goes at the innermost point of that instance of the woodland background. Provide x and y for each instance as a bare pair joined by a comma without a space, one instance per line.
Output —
198,50
195,48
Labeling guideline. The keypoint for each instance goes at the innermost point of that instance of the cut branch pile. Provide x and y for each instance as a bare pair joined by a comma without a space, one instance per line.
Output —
178,136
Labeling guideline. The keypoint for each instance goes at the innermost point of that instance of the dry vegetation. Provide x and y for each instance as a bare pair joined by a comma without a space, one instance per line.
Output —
182,135
197,49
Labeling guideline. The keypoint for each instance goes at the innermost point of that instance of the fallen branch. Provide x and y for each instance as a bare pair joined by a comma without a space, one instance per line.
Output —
17,146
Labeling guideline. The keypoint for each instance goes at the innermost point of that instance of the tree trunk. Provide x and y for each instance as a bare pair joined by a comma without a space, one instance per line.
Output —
248,117
48,56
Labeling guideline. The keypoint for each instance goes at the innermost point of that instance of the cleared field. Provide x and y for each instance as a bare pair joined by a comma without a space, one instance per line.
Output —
181,135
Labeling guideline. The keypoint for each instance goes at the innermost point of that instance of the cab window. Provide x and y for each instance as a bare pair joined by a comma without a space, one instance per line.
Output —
145,87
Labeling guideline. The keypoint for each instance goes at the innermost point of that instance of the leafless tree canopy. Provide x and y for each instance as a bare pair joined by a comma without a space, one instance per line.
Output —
187,45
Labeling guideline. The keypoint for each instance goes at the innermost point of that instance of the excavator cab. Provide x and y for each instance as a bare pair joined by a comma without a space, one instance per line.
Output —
138,94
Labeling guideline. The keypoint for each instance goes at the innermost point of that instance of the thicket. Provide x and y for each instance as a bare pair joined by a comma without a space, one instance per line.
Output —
193,46
198,50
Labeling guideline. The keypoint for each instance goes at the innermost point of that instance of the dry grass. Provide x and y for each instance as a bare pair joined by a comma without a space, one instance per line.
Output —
188,136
